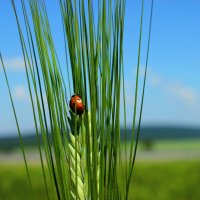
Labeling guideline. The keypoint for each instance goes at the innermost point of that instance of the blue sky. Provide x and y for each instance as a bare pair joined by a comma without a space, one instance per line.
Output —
172,94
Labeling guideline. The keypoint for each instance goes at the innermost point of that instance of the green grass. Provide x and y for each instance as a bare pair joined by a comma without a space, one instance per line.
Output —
184,144
150,181
166,181
174,144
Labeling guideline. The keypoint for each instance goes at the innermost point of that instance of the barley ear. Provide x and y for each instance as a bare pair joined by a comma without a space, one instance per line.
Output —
78,162
75,156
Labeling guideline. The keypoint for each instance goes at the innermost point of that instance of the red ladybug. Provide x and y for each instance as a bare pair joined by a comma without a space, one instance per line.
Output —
76,104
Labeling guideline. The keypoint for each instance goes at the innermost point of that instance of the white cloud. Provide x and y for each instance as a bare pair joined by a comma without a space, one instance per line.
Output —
175,89
185,93
155,79
14,63
167,100
20,92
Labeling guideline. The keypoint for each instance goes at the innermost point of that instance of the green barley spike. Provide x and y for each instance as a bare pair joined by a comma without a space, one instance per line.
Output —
78,166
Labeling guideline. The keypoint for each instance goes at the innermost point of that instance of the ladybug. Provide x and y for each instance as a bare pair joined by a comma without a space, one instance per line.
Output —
76,104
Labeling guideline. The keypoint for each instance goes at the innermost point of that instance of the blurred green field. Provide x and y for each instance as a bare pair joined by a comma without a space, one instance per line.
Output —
177,180
175,144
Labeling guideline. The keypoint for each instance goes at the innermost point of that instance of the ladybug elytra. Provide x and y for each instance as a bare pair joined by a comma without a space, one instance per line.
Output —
76,104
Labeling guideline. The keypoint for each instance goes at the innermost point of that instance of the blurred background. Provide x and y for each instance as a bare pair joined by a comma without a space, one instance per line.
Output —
168,158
